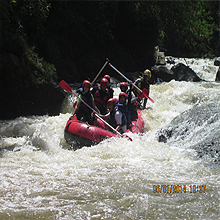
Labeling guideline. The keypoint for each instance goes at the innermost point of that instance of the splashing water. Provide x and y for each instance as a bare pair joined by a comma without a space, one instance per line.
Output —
116,179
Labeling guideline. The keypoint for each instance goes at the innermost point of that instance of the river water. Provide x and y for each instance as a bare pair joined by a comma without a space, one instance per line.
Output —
118,178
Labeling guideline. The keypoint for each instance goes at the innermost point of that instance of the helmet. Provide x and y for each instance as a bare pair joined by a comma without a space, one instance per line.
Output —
116,100
147,72
111,101
86,83
123,94
107,77
104,81
124,84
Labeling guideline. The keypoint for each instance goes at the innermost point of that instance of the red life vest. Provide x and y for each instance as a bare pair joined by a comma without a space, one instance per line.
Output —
101,98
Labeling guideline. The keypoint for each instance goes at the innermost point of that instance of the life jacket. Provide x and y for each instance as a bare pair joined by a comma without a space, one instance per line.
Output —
101,98
87,98
141,85
112,120
124,108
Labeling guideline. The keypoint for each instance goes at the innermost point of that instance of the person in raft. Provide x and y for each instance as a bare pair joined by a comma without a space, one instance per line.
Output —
83,112
115,117
123,107
110,90
132,99
142,83
101,96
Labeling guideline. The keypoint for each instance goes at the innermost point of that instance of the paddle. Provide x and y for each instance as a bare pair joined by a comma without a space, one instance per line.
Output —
67,88
107,60
144,92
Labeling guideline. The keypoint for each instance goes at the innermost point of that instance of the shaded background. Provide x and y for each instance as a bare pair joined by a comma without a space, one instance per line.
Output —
44,41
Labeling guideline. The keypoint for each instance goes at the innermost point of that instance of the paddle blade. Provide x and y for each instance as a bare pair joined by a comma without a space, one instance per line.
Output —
146,94
143,94
65,86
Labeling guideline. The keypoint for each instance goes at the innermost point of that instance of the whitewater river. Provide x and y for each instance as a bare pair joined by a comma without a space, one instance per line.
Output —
118,178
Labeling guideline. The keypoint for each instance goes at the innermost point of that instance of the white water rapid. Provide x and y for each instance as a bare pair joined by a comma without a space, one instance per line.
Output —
116,179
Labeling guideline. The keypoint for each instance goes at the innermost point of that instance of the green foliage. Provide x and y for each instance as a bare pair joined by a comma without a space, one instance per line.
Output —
187,27
40,70
20,63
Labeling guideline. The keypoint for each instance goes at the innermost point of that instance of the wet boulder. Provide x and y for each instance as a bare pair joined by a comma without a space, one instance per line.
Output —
217,78
197,128
184,73
163,73
217,61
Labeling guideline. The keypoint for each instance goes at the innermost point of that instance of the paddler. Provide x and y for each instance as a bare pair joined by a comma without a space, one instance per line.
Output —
131,103
115,116
123,107
101,96
142,83
83,112
110,90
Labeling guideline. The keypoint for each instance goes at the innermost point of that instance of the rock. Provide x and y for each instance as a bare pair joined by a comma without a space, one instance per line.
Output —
161,72
217,78
197,128
46,98
184,73
217,61
159,57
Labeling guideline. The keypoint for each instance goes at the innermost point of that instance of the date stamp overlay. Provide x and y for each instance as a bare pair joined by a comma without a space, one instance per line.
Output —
179,188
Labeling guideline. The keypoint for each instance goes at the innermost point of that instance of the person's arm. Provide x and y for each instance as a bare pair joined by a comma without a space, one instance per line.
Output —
136,81
95,107
105,117
134,99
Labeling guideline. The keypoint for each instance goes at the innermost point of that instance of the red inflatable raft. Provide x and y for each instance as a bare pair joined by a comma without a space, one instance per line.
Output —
79,134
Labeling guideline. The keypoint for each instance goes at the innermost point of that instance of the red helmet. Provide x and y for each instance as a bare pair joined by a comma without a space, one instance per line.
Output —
111,101
104,81
123,94
86,83
116,100
107,77
124,84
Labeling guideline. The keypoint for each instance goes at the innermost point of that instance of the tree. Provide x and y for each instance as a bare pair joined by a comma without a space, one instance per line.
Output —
187,26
